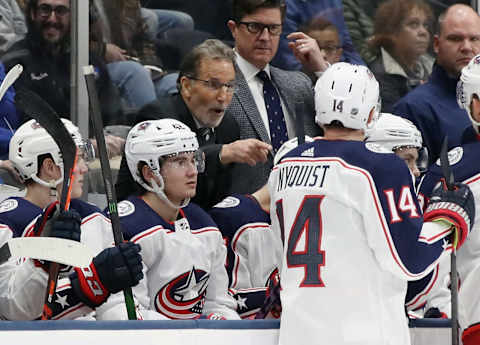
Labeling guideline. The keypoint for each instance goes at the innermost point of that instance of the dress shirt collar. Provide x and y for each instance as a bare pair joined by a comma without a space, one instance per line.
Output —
248,70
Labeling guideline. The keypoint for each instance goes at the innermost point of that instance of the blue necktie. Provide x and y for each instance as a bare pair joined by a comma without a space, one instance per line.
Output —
276,119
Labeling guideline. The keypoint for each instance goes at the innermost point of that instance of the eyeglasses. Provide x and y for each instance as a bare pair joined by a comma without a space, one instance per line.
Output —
255,28
45,10
216,85
329,49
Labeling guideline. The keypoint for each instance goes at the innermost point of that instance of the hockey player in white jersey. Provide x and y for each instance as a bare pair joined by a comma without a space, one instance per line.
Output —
353,229
464,164
254,250
183,250
427,297
37,158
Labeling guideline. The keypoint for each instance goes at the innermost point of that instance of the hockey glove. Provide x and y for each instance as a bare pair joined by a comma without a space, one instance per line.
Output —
471,335
455,207
435,313
54,223
111,271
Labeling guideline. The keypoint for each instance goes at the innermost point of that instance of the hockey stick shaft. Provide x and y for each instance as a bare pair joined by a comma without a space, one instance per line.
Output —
107,175
10,78
449,181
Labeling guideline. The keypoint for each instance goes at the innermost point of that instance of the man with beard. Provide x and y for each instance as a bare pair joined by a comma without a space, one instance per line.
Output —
45,56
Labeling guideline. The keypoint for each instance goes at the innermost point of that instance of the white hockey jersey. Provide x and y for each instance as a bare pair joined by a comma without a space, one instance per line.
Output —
465,167
353,237
184,272
25,300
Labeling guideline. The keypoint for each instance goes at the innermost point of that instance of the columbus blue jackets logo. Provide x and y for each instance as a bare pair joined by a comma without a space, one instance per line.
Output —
184,296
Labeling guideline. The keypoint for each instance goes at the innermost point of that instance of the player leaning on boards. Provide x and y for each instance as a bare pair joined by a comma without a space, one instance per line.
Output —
183,250
464,164
36,157
353,228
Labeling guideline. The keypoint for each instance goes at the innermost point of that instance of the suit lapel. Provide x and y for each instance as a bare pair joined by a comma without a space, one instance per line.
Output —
246,101
286,93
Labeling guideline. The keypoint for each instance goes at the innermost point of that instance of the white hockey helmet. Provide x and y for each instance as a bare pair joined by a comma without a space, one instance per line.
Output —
469,85
347,93
393,132
151,141
30,141
287,147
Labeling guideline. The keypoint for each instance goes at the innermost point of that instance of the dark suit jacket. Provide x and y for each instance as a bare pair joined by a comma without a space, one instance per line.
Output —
213,184
295,89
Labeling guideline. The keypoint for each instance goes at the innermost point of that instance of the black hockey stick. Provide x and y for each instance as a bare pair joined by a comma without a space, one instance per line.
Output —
449,181
35,107
96,118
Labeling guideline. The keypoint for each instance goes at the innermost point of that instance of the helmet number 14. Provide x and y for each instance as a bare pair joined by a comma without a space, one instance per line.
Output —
338,105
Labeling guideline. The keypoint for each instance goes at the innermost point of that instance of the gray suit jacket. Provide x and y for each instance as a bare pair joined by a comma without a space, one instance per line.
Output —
295,89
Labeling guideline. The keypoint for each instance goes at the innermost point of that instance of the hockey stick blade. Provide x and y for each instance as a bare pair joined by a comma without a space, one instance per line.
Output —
35,107
449,181
97,122
52,249
10,78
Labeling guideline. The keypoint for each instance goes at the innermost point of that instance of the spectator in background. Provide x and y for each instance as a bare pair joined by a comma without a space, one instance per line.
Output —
401,40
299,12
129,39
328,40
12,24
159,21
45,57
358,15
269,101
433,107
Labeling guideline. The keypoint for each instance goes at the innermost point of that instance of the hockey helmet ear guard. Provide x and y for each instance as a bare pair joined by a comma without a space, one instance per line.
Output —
347,94
30,141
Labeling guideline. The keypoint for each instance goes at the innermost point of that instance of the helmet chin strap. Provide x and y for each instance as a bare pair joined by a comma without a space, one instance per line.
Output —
161,194
52,184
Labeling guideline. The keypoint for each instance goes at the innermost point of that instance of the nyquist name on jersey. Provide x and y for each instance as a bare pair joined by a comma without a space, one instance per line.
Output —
302,175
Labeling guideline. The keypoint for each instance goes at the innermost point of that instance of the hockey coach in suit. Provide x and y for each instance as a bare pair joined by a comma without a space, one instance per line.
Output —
268,100
206,84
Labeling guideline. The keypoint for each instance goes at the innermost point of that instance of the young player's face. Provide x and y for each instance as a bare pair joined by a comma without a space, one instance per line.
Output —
180,177
475,108
78,174
257,48
410,157
52,19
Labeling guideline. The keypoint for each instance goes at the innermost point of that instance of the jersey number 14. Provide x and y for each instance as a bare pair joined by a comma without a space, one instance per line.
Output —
307,224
